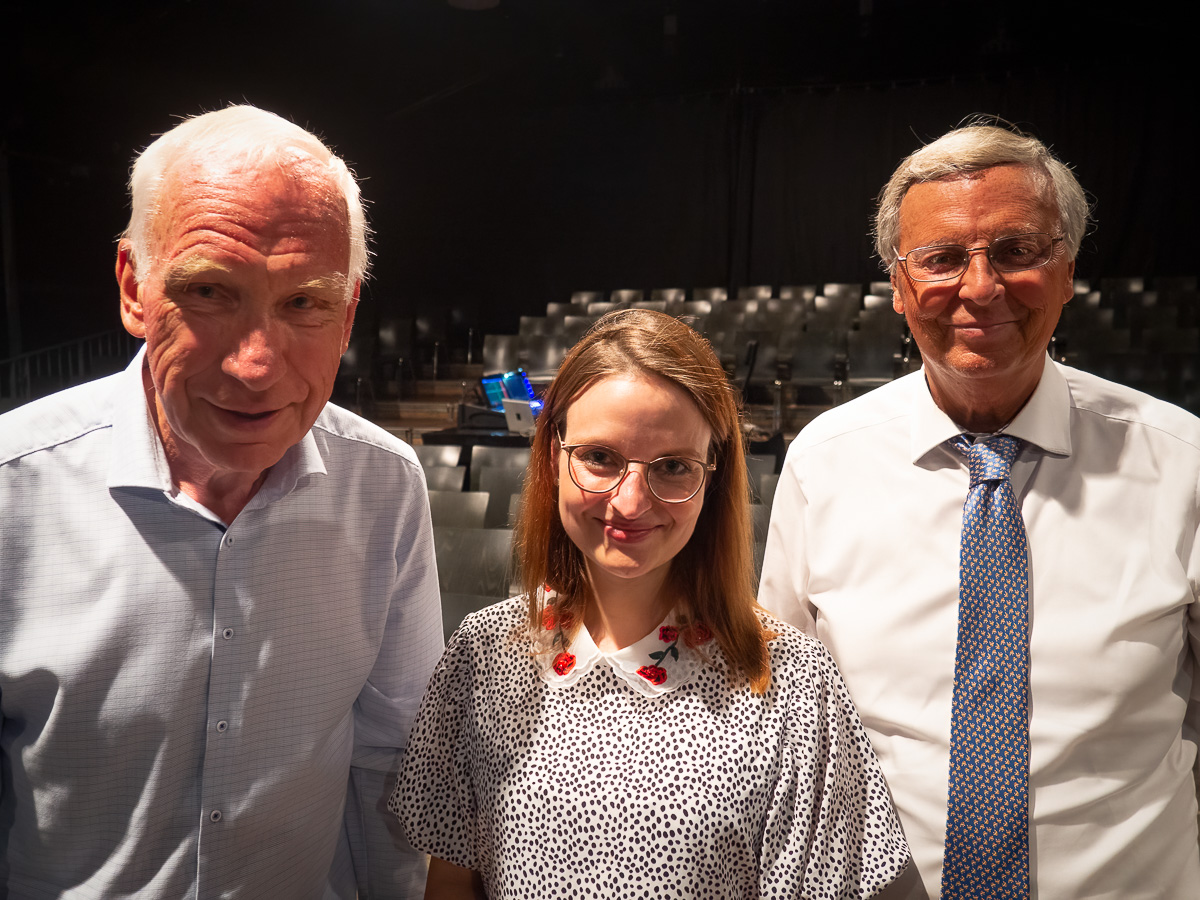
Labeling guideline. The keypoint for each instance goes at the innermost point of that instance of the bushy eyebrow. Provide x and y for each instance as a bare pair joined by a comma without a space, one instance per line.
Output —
183,273
334,284
1019,229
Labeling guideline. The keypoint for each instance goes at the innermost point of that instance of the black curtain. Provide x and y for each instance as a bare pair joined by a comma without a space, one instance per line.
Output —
488,216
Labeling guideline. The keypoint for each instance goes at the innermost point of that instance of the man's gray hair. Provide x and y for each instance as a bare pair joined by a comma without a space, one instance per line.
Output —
244,134
975,146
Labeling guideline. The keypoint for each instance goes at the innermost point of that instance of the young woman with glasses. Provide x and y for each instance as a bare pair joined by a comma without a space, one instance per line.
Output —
635,725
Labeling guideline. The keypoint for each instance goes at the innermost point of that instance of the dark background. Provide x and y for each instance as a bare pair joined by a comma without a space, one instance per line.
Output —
513,155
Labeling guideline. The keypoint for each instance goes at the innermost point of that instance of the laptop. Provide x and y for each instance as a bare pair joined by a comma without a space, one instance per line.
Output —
519,416
493,391
512,390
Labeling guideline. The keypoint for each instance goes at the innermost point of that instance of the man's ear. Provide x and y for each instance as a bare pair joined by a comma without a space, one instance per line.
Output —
1069,287
131,302
351,308
897,297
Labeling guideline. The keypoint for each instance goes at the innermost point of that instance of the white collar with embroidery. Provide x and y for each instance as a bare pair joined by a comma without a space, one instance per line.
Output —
662,661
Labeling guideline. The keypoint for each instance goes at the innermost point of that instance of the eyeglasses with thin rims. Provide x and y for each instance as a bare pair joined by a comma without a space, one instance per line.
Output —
597,469
1014,253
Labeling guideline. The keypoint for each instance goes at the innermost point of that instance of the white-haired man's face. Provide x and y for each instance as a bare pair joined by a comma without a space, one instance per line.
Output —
246,311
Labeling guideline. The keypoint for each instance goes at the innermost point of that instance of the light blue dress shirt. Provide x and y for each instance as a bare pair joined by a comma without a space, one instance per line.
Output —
189,710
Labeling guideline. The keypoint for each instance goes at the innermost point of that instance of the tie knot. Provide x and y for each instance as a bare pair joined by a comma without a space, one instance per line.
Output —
989,460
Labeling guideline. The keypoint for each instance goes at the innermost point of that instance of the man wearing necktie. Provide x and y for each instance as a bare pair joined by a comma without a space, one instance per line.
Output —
1001,552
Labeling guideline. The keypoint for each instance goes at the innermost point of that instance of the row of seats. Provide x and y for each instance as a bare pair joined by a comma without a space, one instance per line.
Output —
715,294
813,335
808,334
1183,286
1148,339
1145,334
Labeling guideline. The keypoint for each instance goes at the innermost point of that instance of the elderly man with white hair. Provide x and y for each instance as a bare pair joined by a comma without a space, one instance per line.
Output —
1001,553
218,599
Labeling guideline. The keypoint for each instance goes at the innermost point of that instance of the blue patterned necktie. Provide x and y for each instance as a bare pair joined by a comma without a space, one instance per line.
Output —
987,825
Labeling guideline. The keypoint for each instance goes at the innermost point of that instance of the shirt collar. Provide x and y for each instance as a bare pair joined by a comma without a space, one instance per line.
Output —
300,460
663,661
1044,421
139,460
142,462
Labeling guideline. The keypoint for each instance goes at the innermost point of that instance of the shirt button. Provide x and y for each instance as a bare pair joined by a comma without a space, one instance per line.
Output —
214,816
229,540
227,633
222,725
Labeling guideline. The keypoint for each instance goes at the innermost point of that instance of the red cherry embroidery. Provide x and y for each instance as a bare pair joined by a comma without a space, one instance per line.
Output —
668,634
697,634
565,662
653,674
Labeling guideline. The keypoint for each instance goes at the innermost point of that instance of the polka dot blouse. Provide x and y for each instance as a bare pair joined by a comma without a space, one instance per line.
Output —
644,773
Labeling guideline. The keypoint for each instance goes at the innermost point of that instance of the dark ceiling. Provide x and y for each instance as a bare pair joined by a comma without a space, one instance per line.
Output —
103,66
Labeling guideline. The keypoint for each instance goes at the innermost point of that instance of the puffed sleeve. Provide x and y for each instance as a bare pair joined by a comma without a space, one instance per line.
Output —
831,830
435,795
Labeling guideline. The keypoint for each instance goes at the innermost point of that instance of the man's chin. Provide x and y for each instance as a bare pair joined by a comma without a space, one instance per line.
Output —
252,459
213,460
974,363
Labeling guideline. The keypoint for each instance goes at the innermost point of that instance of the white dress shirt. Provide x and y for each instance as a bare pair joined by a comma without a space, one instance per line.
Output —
863,552
189,710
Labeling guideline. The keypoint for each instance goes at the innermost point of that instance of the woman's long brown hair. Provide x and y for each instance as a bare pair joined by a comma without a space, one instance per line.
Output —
713,575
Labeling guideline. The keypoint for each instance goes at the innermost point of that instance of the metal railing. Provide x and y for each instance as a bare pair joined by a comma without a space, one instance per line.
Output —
39,372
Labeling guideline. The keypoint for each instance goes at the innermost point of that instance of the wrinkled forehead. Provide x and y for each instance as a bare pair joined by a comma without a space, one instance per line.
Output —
1030,184
1019,192
290,187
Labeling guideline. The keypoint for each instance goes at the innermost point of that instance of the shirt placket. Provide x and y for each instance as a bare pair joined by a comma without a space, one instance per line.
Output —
222,780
